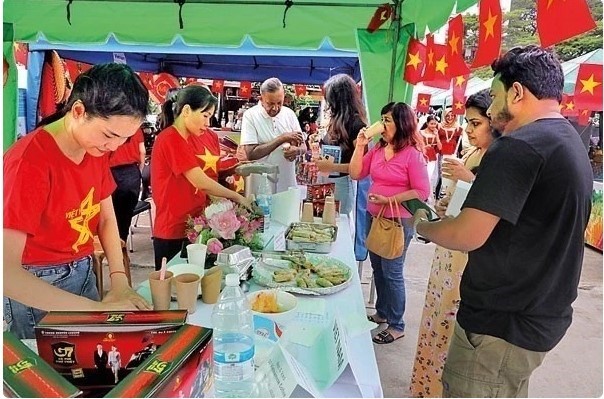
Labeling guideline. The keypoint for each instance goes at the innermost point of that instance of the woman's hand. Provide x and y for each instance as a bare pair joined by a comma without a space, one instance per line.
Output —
125,298
362,141
324,164
454,169
378,199
441,206
245,202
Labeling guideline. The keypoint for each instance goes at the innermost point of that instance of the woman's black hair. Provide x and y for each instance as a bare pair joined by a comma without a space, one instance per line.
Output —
405,122
106,90
196,97
481,101
429,119
344,102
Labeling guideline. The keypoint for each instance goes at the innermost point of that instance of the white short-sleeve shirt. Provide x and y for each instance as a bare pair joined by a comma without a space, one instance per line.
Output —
258,127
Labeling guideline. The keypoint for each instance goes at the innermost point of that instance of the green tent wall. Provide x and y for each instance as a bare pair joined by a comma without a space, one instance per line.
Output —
307,24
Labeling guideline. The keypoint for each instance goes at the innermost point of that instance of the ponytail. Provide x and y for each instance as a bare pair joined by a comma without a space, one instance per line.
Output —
167,113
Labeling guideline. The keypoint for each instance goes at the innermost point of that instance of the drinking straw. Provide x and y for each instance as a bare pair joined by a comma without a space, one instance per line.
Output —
162,271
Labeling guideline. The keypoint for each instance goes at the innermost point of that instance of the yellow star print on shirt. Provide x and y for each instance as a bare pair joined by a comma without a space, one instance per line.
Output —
88,210
210,161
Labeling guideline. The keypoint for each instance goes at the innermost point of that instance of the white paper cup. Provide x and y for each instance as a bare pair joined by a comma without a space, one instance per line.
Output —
197,255
375,129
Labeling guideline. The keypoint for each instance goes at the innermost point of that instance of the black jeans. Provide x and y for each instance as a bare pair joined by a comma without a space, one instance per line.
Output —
125,196
166,248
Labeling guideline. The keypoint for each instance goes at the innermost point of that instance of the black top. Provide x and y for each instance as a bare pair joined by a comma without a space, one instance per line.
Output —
353,126
520,284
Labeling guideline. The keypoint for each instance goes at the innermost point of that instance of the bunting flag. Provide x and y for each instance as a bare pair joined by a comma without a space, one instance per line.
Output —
489,33
455,49
558,20
459,104
217,86
162,84
584,116
415,61
245,89
423,102
300,90
567,106
459,85
588,88
436,72
380,16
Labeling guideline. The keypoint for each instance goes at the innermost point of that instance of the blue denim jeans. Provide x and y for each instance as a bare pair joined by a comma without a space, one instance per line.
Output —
390,282
344,192
76,277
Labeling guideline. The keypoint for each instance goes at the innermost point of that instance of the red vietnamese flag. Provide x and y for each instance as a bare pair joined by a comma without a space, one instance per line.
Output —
436,73
423,102
300,90
588,88
567,106
489,33
584,116
558,20
459,104
455,49
459,85
415,61
245,89
217,86
380,16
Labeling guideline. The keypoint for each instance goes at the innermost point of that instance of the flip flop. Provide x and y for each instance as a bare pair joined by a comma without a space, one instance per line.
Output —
375,320
384,337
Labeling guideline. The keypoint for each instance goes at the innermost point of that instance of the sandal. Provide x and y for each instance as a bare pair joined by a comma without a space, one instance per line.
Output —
385,337
374,319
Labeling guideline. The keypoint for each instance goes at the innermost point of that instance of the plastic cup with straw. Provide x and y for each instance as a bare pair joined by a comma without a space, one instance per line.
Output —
160,283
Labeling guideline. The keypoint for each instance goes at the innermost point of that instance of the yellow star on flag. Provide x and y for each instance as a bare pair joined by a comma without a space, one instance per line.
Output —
441,65
244,90
589,84
423,101
459,105
584,112
489,25
570,105
453,43
210,161
414,60
459,80
431,57
549,3
88,210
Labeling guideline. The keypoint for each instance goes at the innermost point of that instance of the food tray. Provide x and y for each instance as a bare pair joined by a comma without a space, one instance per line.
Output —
236,258
263,274
310,245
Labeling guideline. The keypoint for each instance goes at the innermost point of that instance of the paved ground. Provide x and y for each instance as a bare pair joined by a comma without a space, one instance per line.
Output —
573,369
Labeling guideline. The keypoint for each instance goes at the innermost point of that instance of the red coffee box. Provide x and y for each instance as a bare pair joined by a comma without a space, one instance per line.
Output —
96,350
182,367
27,376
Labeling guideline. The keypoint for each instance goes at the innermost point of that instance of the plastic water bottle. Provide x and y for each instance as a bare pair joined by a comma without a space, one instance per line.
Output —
264,199
233,342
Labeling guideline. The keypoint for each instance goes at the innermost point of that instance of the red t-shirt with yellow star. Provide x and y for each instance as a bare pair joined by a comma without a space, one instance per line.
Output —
174,196
53,200
209,155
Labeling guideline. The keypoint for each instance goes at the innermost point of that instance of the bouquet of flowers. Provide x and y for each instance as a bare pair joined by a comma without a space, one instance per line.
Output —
225,223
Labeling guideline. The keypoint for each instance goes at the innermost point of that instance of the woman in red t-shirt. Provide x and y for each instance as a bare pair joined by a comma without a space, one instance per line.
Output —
432,147
182,168
57,196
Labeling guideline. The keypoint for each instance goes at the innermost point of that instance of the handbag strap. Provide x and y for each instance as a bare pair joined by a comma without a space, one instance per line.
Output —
381,212
398,210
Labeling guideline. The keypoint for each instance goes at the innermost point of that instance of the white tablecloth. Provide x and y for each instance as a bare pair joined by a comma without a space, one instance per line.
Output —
361,356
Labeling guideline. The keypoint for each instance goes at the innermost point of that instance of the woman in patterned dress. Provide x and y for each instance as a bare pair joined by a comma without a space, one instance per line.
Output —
442,294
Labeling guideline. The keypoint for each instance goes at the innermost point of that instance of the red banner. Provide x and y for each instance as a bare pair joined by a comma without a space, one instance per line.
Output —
423,102
588,88
558,20
415,61
489,33
455,49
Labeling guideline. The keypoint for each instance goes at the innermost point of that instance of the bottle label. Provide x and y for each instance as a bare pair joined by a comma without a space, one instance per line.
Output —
234,357
234,372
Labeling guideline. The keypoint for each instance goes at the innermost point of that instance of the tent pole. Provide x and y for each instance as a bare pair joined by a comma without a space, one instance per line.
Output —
397,30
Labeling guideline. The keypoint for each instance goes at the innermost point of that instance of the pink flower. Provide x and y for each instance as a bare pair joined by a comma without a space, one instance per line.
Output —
214,245
192,236
225,224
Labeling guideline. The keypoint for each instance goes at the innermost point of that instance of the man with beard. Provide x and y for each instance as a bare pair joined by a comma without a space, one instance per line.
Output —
271,133
523,224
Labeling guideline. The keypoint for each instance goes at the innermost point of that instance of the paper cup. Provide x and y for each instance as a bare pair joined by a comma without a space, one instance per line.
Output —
307,213
160,290
210,285
187,287
196,255
375,129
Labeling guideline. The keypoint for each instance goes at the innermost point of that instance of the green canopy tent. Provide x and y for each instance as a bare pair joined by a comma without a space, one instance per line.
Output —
300,24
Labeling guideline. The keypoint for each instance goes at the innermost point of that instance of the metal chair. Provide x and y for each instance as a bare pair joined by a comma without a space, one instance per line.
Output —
143,205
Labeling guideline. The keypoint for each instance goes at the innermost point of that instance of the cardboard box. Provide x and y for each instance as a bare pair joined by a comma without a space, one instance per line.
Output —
70,343
28,376
182,367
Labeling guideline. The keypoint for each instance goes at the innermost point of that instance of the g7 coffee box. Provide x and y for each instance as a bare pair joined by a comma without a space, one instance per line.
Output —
25,375
96,350
182,367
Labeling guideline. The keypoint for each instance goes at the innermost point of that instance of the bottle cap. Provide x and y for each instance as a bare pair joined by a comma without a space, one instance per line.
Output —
232,280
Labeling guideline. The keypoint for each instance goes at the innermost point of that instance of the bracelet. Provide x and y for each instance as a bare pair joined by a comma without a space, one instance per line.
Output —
117,271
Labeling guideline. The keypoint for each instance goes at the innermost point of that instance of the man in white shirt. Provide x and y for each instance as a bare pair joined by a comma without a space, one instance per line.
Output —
271,133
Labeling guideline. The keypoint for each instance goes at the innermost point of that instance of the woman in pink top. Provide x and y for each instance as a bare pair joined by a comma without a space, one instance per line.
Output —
398,171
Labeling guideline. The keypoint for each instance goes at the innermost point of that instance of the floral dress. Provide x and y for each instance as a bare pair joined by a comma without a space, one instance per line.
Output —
440,310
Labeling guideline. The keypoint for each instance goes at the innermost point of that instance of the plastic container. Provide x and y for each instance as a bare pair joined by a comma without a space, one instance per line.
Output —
233,342
264,199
